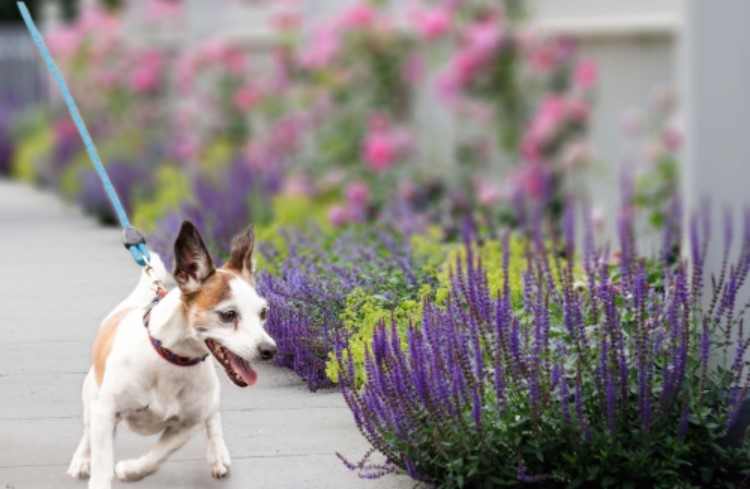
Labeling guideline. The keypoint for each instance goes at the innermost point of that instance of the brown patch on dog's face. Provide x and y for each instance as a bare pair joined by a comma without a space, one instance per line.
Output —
103,343
212,292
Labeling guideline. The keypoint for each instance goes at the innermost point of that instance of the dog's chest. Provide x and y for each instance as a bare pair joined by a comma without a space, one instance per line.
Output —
166,405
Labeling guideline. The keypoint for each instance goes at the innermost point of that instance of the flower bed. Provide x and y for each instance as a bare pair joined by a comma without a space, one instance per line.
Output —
599,380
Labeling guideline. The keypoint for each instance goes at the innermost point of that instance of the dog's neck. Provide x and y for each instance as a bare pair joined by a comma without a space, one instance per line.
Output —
169,325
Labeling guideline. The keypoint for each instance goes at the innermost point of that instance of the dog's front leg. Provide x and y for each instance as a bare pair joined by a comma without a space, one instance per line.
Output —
171,439
218,455
103,420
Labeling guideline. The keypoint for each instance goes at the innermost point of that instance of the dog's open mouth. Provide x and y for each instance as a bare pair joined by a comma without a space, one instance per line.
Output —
238,369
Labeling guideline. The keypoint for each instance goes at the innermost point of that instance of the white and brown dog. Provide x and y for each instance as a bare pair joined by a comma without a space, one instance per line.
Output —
148,361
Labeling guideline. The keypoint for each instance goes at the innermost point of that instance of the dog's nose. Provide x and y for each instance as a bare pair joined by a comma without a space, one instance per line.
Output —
267,350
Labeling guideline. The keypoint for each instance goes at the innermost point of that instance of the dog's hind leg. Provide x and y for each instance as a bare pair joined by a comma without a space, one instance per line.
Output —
171,439
218,455
80,466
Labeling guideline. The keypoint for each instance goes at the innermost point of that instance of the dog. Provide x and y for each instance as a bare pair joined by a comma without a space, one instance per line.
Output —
151,364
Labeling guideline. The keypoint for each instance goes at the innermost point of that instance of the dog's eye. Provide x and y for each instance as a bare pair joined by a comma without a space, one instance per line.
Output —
264,313
228,316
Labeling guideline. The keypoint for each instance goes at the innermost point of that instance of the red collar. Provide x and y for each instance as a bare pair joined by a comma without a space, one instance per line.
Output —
164,352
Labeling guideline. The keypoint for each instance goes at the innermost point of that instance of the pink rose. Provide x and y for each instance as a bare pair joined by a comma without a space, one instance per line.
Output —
246,97
488,194
64,42
321,50
358,17
531,150
358,194
147,75
586,74
379,151
549,116
434,24
484,38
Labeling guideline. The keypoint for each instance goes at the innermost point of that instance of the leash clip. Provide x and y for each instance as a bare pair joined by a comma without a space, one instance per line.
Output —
132,237
136,244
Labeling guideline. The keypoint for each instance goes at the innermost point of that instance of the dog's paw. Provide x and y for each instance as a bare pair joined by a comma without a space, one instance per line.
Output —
219,461
80,468
130,470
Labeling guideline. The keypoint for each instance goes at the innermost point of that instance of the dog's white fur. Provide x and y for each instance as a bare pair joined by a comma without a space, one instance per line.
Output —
149,394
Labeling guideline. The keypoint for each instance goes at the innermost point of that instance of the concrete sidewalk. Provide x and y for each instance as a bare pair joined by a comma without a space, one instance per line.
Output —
60,274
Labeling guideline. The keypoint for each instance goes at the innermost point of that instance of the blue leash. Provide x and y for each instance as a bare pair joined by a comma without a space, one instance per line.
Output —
133,239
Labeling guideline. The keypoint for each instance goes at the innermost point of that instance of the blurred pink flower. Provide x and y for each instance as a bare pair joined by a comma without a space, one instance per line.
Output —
147,75
482,113
548,118
298,185
448,86
63,42
407,190
287,21
433,24
672,139
64,128
534,180
97,20
484,38
543,58
577,155
234,60
160,10
579,110
464,66
338,215
380,151
247,96
488,194
377,121
586,74
220,51
481,42
106,78
321,49
358,194
413,70
531,150
359,16
383,145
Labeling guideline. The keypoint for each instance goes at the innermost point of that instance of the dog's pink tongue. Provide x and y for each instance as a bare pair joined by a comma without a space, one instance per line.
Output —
244,369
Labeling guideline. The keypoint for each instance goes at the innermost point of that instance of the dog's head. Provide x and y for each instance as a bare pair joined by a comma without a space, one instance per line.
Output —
222,307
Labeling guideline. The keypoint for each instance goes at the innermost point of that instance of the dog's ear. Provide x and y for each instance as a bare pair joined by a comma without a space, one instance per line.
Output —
192,261
241,256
